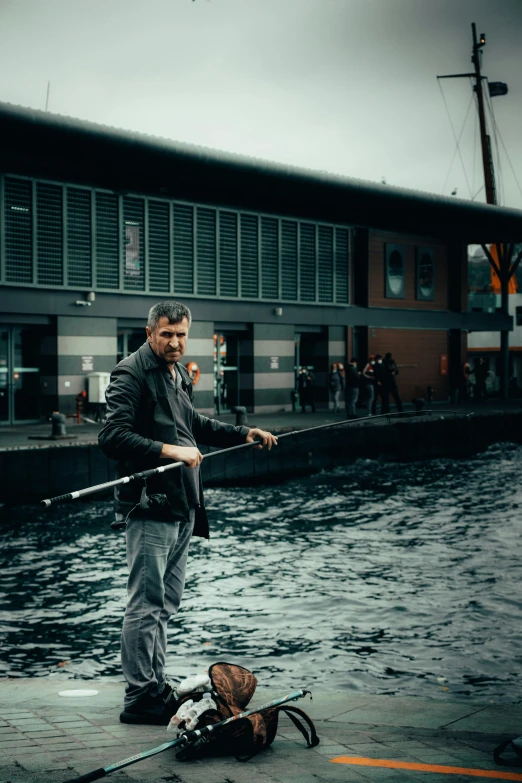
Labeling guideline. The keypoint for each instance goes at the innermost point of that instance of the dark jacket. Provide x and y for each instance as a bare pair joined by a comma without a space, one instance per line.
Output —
139,421
352,377
390,372
335,381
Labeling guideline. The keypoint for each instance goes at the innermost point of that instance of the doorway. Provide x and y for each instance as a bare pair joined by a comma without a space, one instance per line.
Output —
19,374
226,371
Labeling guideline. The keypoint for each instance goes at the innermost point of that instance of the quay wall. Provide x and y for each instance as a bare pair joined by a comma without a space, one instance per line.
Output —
28,475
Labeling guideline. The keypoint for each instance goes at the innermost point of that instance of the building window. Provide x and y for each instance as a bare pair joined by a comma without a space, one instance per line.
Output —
425,274
518,316
395,255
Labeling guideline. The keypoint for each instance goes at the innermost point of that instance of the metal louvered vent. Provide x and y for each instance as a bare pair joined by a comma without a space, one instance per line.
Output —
183,249
228,271
18,231
133,244
206,251
269,258
107,241
342,266
307,262
325,263
159,246
79,238
49,234
249,256
289,259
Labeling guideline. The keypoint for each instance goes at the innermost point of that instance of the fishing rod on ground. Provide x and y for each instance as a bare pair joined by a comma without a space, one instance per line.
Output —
145,474
189,738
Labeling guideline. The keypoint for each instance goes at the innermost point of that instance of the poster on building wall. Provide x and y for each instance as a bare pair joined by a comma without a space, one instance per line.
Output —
87,363
274,362
132,249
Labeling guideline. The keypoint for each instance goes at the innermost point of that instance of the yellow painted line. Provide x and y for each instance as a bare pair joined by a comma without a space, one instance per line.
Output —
440,768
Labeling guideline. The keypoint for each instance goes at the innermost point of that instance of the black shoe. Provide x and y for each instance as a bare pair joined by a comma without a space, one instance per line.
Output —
152,710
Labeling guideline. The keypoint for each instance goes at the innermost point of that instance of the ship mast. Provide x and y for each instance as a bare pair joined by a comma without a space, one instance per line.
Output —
503,268
485,141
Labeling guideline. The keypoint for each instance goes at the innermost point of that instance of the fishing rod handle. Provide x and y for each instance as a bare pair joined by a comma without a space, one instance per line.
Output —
144,474
96,774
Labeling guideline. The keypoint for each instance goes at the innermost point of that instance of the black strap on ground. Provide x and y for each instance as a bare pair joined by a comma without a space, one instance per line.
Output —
311,740
509,753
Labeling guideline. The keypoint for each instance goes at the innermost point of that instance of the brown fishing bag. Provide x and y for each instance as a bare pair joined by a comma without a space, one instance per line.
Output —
232,689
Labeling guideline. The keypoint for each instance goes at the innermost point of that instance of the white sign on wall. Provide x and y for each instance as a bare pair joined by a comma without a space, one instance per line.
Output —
274,362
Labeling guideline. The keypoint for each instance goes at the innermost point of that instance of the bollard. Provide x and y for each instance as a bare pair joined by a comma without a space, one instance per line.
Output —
241,415
58,425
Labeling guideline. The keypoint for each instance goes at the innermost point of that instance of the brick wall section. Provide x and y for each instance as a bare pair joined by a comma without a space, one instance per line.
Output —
377,263
417,353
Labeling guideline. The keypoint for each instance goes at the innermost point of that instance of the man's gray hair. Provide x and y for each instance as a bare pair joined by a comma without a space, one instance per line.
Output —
174,311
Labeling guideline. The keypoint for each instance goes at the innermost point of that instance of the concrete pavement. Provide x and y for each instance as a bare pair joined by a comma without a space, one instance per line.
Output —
47,737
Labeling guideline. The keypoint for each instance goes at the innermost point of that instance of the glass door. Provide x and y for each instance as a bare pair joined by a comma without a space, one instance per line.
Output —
226,372
19,374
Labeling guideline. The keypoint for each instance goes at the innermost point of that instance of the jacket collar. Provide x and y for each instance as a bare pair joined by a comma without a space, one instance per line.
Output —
148,357
151,362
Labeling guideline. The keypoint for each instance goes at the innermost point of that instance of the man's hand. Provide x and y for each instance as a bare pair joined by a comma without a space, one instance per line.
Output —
190,455
264,438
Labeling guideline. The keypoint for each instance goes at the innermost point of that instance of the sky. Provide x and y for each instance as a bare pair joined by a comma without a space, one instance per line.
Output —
343,86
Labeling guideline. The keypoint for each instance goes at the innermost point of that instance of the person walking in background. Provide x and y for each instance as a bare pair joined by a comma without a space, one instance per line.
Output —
335,384
352,388
379,385
389,385
368,383
306,389
480,371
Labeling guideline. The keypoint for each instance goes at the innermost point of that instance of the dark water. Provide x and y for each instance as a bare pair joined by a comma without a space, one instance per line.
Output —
377,578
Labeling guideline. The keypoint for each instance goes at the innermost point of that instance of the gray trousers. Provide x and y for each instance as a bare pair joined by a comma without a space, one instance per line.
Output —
157,558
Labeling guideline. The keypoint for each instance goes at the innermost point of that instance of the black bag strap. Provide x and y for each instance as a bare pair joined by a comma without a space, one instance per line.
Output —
515,751
311,740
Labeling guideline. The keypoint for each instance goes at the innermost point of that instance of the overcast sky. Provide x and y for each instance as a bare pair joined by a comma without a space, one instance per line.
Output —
346,86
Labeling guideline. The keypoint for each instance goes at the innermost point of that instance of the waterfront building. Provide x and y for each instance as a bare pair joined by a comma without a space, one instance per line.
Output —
281,267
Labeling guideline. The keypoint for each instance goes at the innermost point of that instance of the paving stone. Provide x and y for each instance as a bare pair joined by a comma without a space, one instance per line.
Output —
56,739
38,734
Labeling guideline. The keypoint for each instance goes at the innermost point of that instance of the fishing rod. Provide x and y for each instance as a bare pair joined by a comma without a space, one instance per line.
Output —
145,474
188,738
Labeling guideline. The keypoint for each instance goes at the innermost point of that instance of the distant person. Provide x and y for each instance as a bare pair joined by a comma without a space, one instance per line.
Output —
379,384
352,388
481,373
306,389
335,383
368,383
466,381
389,385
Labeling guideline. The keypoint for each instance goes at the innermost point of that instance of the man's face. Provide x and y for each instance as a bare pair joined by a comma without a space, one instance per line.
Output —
168,341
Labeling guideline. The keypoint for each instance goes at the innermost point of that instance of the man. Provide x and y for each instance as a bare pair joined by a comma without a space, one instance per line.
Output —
352,388
379,386
306,389
390,384
151,421
368,382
